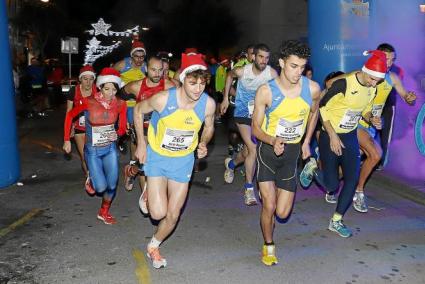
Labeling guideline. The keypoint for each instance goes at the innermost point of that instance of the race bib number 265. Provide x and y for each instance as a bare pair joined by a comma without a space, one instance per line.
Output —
177,140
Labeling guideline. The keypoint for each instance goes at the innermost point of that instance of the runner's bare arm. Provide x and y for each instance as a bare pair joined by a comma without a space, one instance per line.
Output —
234,73
263,98
208,131
154,103
408,96
273,72
312,119
133,88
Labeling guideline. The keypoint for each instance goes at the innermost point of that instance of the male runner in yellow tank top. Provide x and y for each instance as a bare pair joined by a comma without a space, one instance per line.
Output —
285,109
177,117
344,104
366,132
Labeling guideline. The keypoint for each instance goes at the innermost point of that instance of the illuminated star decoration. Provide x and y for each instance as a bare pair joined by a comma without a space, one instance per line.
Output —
101,28
93,43
94,52
94,48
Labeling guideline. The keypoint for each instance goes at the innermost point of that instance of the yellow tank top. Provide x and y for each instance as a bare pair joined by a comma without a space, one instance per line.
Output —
129,74
383,90
344,110
171,74
287,117
174,131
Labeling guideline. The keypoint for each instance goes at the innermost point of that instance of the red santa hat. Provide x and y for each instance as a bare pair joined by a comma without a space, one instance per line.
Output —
87,70
109,75
137,46
376,65
191,50
191,63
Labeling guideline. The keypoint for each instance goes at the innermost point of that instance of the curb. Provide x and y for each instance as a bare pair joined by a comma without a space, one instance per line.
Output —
399,187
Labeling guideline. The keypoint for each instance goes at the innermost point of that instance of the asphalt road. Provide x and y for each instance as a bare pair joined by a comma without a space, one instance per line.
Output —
49,232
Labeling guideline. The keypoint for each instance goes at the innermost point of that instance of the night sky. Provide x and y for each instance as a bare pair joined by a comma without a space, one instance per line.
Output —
174,25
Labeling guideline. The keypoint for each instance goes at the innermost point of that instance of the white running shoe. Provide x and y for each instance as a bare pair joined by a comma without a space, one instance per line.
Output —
143,201
359,202
250,197
229,174
330,198
157,260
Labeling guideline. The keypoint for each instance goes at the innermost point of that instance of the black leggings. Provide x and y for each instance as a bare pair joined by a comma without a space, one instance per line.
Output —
387,128
350,164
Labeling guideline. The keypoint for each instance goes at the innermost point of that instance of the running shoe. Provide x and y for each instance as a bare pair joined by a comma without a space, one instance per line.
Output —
339,228
143,201
380,168
89,188
157,260
250,197
269,255
122,145
307,174
359,202
106,217
330,198
229,174
230,150
129,178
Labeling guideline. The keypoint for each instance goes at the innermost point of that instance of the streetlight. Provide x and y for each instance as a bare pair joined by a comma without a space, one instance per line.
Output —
44,1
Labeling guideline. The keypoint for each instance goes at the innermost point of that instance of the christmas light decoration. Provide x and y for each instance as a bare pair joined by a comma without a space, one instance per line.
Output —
94,48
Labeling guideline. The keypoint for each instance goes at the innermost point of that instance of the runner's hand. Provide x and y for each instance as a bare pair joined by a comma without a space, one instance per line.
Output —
202,150
141,153
377,122
305,149
67,147
336,145
279,146
410,98
223,107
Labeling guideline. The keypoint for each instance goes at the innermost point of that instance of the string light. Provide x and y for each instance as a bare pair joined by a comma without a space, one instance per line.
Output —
95,49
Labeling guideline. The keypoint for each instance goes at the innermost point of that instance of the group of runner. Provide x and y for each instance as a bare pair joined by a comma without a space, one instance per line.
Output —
171,120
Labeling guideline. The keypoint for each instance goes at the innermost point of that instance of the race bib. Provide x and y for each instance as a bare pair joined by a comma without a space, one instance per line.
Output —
350,119
377,110
177,140
82,121
250,108
289,130
103,135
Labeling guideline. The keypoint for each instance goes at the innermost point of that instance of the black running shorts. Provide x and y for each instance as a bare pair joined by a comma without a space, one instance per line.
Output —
280,169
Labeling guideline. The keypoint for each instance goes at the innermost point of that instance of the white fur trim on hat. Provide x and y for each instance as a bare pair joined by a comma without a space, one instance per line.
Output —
137,49
373,73
109,79
88,73
189,69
